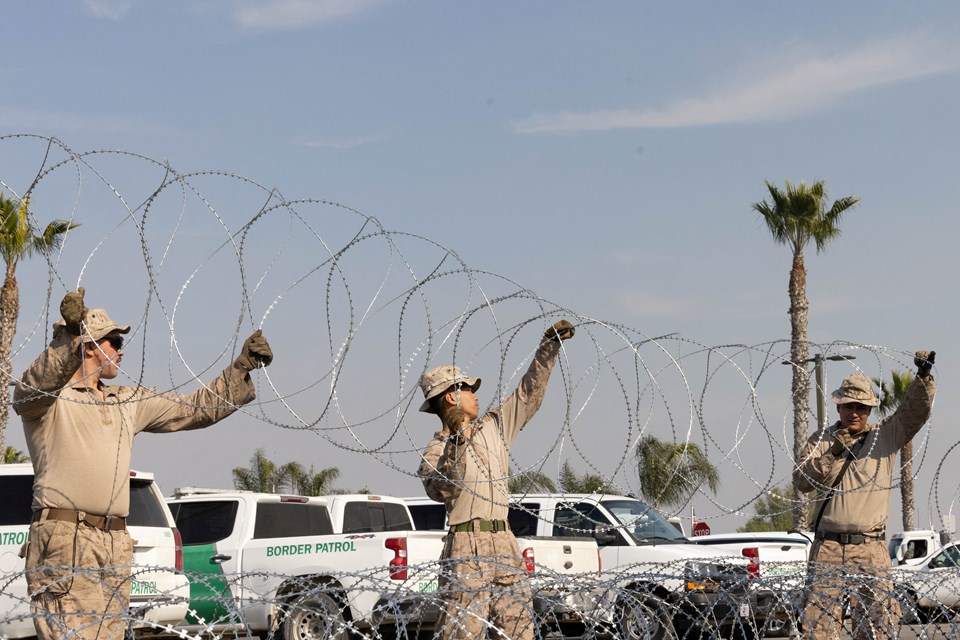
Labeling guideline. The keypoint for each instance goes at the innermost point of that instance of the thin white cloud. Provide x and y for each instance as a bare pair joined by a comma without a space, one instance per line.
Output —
264,15
337,144
789,90
109,9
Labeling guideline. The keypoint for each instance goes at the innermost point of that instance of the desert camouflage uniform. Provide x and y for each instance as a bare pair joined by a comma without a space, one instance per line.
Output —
485,585
860,505
78,575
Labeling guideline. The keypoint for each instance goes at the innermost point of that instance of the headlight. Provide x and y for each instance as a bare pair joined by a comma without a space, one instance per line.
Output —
702,576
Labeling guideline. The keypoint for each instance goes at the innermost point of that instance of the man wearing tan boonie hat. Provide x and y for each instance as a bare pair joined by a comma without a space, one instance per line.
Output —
80,432
483,577
852,505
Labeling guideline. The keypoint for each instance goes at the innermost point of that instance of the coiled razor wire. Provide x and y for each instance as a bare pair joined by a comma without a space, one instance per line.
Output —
351,304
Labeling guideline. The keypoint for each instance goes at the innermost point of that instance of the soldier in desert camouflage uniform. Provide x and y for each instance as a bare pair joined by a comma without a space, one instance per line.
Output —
465,467
849,558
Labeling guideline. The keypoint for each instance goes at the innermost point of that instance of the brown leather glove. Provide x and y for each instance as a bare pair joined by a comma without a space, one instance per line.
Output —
561,330
256,352
842,441
73,311
924,362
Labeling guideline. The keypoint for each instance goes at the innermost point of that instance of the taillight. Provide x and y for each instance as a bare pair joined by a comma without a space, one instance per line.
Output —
529,560
753,567
177,550
398,566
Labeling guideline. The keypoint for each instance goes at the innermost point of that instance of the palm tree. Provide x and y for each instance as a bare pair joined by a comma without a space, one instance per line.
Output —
531,481
13,456
670,473
18,240
796,216
571,482
312,483
263,475
890,398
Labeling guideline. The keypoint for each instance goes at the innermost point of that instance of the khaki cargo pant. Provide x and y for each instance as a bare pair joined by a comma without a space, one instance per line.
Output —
485,588
78,579
859,573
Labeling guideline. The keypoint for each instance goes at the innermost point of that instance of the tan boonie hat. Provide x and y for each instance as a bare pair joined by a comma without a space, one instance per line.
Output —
856,387
98,324
439,379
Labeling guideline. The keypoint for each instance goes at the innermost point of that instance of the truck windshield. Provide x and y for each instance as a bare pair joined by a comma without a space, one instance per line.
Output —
642,523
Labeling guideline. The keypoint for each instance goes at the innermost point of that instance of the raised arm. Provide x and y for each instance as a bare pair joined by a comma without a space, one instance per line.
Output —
521,405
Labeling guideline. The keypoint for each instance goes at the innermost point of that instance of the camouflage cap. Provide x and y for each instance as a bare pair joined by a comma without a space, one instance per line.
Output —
439,379
98,324
856,387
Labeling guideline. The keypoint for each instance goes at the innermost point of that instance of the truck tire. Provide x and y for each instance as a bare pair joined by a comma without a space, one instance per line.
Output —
315,616
643,616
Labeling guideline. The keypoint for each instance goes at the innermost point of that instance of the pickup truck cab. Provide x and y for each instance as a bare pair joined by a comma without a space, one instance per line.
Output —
158,590
307,567
912,547
929,589
660,582
564,571
777,566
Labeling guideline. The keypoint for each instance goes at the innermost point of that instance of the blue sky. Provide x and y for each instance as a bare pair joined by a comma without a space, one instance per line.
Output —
602,156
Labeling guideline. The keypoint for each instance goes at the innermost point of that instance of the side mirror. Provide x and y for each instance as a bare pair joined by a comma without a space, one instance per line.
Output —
604,538
901,553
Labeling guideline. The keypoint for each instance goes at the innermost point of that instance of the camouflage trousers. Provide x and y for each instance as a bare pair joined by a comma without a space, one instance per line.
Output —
858,574
78,579
485,589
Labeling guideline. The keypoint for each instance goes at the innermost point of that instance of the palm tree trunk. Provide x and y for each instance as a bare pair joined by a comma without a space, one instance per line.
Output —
9,312
800,386
906,487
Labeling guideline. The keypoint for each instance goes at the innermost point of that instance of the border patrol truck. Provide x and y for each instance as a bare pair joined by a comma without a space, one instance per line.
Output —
303,567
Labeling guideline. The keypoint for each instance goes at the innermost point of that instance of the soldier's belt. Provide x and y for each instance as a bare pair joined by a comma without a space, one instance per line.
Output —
480,525
104,523
849,538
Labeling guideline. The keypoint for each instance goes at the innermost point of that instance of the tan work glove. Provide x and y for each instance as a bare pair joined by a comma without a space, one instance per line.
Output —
924,362
73,311
562,330
842,441
256,352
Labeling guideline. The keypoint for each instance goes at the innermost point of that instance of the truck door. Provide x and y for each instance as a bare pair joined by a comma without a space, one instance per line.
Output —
211,543
585,519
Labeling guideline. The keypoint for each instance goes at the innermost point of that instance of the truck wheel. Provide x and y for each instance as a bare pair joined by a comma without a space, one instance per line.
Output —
644,617
314,616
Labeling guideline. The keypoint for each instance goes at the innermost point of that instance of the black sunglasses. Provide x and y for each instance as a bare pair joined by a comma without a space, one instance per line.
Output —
115,341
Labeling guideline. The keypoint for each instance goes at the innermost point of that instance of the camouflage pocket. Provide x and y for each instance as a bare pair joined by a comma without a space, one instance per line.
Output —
50,558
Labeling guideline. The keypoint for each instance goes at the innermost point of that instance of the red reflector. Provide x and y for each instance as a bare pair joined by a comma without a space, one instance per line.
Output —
753,567
398,566
529,560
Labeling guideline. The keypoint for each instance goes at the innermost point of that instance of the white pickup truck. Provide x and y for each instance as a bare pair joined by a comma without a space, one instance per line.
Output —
307,567
929,587
158,590
564,571
661,584
777,566
911,547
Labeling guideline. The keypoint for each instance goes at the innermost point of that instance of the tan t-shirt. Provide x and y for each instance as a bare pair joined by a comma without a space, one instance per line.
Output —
471,479
81,446
861,502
